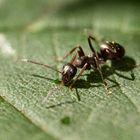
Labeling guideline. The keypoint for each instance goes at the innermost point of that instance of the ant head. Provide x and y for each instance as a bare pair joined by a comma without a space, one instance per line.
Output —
68,73
112,50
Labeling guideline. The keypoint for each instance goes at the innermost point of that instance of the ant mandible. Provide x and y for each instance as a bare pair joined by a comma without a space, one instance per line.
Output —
108,51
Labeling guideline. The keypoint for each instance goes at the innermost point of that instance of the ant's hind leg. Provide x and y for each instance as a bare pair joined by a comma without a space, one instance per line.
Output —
80,52
50,93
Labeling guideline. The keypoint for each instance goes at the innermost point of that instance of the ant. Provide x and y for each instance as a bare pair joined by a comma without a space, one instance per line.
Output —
108,51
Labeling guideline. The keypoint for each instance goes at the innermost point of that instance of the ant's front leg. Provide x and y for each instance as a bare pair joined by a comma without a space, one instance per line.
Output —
80,52
80,73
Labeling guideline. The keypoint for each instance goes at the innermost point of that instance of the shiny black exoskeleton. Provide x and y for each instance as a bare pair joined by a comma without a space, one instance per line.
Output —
68,73
111,51
108,51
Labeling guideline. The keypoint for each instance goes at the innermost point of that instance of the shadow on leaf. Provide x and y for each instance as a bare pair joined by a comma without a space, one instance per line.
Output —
125,65
60,104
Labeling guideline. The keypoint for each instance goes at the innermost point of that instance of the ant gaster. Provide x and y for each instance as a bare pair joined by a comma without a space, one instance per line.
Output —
108,51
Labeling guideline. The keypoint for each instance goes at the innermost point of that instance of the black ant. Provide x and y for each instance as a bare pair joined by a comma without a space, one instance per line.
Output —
108,51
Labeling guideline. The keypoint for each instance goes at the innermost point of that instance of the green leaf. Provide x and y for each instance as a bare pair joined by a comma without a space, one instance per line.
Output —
14,125
44,31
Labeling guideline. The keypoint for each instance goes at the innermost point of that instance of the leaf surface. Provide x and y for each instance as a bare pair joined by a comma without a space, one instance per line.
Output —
44,31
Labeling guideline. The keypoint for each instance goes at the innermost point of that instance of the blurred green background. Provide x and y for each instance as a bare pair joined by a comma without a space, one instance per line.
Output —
40,15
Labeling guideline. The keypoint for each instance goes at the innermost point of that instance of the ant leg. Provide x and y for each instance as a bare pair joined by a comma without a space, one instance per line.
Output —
73,59
81,52
78,96
96,41
50,93
97,61
90,44
101,74
80,73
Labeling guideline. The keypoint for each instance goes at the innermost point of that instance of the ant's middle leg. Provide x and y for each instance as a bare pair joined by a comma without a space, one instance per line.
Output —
90,38
101,74
90,43
80,52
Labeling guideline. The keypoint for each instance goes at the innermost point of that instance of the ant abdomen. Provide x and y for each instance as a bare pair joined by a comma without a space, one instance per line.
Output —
112,51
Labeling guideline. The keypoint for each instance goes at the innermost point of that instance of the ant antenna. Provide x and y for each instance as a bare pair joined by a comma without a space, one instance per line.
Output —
44,65
38,63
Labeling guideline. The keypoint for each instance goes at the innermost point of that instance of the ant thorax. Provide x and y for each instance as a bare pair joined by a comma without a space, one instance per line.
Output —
81,61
